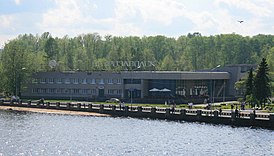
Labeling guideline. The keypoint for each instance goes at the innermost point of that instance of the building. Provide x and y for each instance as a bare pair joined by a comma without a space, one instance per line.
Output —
138,86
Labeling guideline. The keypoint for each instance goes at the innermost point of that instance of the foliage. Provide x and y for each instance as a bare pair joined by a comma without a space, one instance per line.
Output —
249,83
90,52
191,52
262,83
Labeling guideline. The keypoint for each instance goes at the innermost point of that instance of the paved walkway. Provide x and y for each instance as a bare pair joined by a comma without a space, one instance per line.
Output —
51,111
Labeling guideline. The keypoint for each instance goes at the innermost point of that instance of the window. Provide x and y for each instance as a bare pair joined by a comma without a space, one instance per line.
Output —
76,91
84,81
67,81
59,90
51,90
109,81
51,80
84,91
43,80
59,81
93,91
119,81
74,80
93,81
111,91
34,90
101,81
43,90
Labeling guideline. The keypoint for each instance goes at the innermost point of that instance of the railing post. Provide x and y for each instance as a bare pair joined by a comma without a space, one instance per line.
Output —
271,119
90,107
68,105
113,108
216,114
183,113
139,109
1,102
101,110
153,111
233,115
20,102
252,117
199,114
48,104
78,106
29,103
126,109
167,112
57,105
38,104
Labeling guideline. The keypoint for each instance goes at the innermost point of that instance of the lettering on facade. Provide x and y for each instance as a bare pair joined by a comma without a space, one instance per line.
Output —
128,64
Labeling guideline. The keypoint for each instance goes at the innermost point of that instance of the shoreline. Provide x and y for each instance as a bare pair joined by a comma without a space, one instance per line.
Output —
52,111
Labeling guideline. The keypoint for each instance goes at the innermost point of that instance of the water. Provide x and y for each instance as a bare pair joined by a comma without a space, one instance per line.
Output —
48,134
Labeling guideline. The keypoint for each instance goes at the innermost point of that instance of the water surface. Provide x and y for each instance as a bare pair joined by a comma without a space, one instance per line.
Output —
24,133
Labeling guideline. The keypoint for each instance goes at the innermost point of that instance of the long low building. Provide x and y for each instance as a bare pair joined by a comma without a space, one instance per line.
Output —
138,86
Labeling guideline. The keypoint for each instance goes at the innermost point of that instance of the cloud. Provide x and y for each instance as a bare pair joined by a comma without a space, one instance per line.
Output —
6,21
138,17
163,11
73,17
257,8
17,2
5,38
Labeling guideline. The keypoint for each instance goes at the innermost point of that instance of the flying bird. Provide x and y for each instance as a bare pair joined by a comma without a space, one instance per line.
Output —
240,21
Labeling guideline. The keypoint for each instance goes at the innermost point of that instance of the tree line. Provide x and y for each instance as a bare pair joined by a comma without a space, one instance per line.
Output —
30,53
258,87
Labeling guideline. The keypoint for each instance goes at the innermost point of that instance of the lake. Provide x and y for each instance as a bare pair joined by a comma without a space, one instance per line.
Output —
25,133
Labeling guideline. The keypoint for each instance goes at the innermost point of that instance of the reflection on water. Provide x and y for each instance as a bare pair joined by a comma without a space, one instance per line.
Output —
48,134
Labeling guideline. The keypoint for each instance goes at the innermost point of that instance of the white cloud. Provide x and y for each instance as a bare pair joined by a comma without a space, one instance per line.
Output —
257,8
6,21
5,39
158,10
143,17
17,2
72,17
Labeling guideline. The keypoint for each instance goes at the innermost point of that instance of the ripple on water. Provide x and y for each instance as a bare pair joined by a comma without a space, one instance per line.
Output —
49,134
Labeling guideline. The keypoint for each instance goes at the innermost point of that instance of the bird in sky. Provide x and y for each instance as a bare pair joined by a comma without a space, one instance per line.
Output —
240,21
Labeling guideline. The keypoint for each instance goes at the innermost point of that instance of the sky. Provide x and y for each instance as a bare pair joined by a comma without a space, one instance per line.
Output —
171,18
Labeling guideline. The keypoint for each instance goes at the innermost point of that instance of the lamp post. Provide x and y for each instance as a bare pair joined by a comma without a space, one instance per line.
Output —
18,84
213,84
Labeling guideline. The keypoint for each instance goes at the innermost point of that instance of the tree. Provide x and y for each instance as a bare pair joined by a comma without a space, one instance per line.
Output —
249,86
51,48
270,59
249,83
14,63
262,83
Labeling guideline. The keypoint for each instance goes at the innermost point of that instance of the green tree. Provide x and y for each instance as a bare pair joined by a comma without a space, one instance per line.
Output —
14,63
249,83
270,59
168,63
262,83
51,49
249,86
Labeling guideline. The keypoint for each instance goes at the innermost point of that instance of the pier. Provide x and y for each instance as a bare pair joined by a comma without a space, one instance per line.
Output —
227,117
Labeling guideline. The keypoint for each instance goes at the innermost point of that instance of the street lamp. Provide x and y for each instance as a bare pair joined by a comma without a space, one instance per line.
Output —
18,84
213,84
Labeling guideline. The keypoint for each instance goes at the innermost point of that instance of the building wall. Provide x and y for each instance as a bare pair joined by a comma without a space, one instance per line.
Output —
102,85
